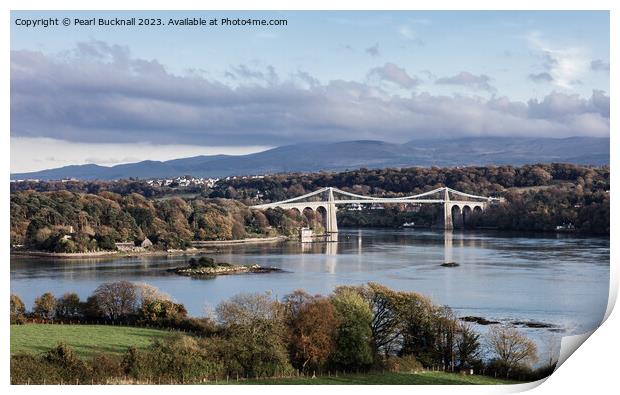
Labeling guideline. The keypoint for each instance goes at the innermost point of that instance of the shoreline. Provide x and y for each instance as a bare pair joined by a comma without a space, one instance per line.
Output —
197,248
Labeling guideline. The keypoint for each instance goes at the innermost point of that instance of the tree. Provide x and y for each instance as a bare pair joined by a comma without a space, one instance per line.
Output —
385,317
68,306
415,324
18,310
312,327
157,307
253,326
45,306
445,327
510,347
468,346
353,338
117,300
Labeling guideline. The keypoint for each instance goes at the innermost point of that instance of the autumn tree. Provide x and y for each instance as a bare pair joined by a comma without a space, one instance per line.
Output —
18,310
45,306
254,329
156,306
312,327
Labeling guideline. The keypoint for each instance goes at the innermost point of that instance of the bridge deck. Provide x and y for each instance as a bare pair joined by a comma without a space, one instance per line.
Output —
368,201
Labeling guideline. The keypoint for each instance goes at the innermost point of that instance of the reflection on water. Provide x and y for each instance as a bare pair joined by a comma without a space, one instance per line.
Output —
562,280
447,246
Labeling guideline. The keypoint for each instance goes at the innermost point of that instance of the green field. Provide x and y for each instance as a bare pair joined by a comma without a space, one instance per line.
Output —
86,340
425,378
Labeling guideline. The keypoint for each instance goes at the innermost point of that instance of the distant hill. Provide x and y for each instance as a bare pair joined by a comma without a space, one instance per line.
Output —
340,156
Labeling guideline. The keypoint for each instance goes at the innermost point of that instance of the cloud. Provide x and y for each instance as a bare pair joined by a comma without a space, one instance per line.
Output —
373,51
243,72
407,32
599,65
306,78
565,65
102,94
541,77
467,79
392,73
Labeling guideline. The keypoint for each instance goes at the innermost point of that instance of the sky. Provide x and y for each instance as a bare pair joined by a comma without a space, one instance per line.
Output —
110,95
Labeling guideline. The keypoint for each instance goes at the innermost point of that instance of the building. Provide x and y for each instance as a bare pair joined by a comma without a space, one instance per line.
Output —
146,243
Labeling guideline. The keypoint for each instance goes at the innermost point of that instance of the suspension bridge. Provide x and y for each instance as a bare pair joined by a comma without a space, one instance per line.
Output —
457,206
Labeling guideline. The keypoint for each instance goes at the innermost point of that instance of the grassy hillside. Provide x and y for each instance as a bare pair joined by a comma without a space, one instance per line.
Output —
86,340
426,378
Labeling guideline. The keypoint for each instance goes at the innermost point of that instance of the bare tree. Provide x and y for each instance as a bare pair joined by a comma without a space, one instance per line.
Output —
511,347
116,300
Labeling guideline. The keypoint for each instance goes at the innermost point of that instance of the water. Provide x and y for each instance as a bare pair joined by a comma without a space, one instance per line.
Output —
561,280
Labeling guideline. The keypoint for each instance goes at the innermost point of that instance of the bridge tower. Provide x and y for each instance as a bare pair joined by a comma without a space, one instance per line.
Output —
331,222
447,211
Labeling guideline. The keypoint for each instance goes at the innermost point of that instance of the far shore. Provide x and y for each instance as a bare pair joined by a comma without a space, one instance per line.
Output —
197,248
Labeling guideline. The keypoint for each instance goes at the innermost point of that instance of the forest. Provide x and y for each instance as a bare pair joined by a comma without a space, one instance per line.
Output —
537,197
67,222
90,216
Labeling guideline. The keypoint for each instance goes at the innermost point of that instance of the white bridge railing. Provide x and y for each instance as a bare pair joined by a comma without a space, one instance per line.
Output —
443,197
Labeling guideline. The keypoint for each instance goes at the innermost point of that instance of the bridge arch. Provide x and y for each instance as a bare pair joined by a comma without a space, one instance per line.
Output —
467,211
457,216
322,211
309,216
296,211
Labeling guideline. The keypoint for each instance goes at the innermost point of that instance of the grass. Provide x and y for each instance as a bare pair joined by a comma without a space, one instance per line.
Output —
425,378
86,340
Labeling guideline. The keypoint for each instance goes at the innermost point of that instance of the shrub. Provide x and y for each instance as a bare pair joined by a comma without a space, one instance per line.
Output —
180,360
105,367
254,329
31,369
69,366
404,364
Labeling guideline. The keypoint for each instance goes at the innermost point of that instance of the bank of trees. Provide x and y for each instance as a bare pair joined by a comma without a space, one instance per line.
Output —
481,180
72,222
356,328
538,197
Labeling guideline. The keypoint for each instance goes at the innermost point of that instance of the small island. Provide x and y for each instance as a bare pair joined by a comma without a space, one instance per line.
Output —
206,267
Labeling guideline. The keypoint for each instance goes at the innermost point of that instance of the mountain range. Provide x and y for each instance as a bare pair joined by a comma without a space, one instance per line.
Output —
339,156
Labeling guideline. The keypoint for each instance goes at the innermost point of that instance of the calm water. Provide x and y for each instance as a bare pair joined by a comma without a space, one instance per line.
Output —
560,280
